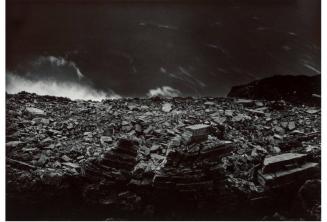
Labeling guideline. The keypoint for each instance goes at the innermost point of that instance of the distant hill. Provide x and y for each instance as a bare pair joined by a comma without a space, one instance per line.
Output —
295,89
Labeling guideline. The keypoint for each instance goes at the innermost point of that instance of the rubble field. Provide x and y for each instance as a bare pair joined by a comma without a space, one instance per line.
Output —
161,159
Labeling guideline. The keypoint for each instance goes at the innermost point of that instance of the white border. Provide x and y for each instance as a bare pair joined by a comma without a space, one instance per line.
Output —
2,108
323,111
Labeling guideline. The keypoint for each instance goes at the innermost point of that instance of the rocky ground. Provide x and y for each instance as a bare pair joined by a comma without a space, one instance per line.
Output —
161,158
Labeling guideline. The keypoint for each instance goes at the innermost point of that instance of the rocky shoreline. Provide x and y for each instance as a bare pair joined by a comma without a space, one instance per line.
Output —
161,158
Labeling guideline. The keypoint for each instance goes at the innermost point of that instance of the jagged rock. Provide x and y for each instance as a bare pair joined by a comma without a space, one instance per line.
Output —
281,87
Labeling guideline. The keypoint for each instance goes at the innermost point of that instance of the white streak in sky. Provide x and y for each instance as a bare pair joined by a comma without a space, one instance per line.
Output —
157,25
184,71
292,33
59,61
312,68
163,70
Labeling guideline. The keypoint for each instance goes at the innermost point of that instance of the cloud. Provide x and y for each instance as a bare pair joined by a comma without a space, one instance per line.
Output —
72,90
60,62
165,91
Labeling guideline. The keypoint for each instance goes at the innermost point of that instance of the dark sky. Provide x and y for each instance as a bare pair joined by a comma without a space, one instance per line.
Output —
197,48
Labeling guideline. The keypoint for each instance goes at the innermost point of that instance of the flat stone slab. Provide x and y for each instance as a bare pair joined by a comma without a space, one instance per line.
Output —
280,178
277,162
73,165
244,101
198,129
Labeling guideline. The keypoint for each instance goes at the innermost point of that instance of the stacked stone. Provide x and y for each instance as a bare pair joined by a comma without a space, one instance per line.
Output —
285,169
116,164
196,173
198,132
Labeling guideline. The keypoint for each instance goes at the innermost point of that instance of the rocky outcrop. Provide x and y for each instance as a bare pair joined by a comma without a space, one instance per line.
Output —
295,89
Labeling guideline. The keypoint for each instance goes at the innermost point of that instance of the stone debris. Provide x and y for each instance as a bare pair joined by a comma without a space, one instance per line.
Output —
133,157
35,111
